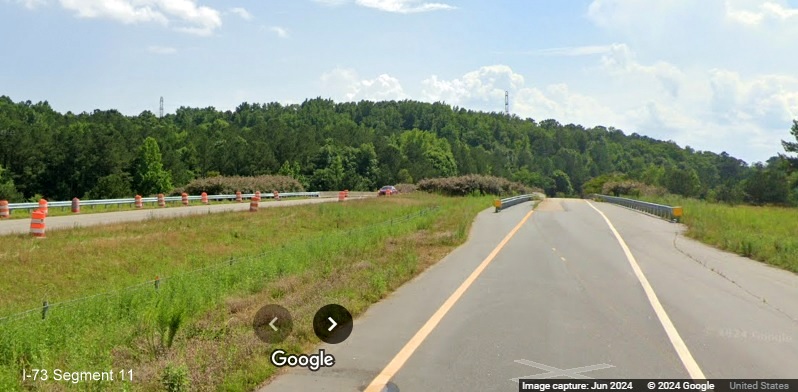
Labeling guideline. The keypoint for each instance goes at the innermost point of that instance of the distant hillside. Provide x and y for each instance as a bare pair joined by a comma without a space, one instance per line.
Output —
328,146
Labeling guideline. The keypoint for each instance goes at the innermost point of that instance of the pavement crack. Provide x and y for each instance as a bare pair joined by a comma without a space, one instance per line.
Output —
732,281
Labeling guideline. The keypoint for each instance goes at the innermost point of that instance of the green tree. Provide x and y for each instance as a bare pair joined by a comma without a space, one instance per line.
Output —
682,181
149,175
767,185
792,146
8,191
114,186
562,184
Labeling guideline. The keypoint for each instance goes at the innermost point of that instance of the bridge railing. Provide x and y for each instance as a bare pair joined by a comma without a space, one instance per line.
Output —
672,213
131,201
501,204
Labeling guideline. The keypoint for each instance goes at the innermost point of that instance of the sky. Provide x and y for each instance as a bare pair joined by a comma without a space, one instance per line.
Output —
716,75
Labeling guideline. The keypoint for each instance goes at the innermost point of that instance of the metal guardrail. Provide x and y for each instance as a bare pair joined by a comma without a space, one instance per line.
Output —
672,213
511,201
56,204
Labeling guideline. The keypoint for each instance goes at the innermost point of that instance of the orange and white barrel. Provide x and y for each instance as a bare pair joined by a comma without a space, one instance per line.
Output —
257,196
161,200
341,196
139,204
184,197
276,195
346,193
204,198
37,223
75,205
5,212
238,197
43,206
253,205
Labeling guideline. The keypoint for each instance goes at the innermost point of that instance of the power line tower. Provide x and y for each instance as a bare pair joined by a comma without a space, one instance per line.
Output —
507,103
161,116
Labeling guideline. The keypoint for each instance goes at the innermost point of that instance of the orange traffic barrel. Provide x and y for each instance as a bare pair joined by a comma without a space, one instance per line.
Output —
238,197
253,205
346,192
76,205
204,198
161,200
341,196
139,204
43,206
37,223
184,197
257,195
5,212
276,195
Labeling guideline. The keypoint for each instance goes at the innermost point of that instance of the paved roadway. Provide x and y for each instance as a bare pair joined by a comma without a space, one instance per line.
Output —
562,296
14,226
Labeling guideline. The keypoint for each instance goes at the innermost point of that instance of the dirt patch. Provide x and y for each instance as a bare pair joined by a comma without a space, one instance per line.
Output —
551,205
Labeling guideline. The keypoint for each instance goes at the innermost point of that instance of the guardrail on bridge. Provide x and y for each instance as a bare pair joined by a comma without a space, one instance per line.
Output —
511,201
671,213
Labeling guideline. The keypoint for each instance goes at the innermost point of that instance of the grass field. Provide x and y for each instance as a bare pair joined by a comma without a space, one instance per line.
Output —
767,234
216,272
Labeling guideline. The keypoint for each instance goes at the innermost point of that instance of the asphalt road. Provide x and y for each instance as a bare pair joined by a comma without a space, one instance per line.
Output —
15,226
562,299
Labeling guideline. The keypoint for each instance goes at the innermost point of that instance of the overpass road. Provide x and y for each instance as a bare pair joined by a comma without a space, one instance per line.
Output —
17,226
580,289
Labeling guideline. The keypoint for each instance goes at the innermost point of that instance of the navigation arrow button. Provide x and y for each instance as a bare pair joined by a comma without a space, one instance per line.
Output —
333,323
271,324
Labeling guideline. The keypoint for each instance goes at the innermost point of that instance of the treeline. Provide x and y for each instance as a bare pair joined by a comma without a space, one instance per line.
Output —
357,146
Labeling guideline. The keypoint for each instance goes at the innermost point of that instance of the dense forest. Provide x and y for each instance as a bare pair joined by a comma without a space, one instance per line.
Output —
357,146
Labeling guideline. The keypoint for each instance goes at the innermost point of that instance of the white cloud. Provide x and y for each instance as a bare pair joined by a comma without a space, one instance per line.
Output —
485,84
185,15
281,32
161,49
766,11
404,6
621,61
345,84
397,6
241,12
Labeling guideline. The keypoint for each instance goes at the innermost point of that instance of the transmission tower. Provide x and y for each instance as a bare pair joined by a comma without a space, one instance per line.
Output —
507,103
161,116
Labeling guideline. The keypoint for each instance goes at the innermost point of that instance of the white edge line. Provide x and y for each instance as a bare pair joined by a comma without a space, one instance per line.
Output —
676,340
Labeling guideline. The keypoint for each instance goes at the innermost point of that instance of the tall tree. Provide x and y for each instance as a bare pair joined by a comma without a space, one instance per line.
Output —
149,175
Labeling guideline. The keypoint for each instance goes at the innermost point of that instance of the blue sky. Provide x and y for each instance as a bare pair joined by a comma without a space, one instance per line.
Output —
716,75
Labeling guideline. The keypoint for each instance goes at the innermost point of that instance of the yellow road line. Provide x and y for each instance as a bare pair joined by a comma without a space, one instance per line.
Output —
382,379
676,340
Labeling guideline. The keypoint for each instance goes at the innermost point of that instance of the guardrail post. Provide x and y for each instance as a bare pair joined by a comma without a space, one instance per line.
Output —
204,198
43,206
76,205
5,212
138,202
161,200
677,213
498,204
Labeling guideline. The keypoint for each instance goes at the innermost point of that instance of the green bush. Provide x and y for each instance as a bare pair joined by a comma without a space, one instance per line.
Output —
222,185
175,378
406,188
474,184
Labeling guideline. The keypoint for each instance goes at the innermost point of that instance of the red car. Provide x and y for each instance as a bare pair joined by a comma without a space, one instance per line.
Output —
387,191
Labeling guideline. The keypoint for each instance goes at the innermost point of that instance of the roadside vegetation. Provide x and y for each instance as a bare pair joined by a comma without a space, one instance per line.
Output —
214,272
763,233
474,184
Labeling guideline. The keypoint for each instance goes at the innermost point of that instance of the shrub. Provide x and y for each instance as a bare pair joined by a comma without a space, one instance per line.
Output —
631,188
229,185
406,188
474,184
175,378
